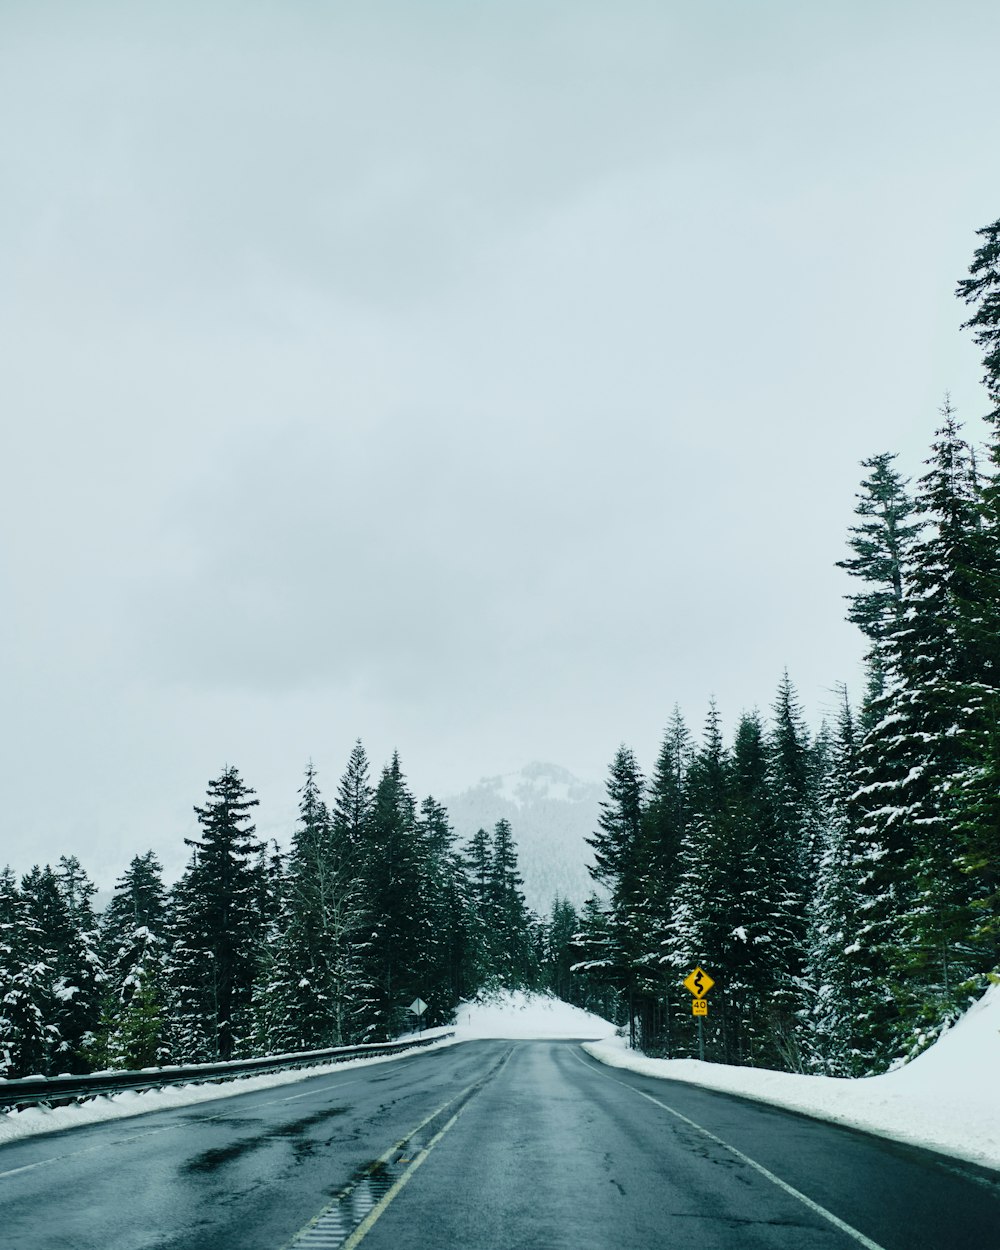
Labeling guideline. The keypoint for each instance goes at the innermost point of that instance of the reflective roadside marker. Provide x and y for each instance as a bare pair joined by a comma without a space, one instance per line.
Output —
699,1006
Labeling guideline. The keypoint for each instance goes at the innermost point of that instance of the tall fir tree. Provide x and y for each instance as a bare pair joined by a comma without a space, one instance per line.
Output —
27,1034
313,977
60,914
134,944
836,965
882,542
391,895
618,845
977,807
217,923
509,941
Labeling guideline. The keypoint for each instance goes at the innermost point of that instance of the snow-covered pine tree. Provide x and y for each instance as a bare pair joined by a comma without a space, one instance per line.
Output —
509,943
708,793
941,661
26,1001
452,958
191,1015
793,858
134,945
618,866
59,908
882,542
909,766
981,289
390,879
594,963
837,968
217,924
563,925
311,984
745,920
664,822
977,803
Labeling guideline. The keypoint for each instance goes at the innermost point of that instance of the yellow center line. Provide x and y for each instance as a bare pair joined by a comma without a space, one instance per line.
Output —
362,1230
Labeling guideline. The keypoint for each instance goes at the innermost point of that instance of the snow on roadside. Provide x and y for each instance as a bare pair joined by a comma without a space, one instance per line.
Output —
518,1014
947,1099
507,1015
15,1125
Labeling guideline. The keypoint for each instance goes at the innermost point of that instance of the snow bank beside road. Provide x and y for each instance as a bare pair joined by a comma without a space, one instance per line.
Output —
517,1014
507,1015
15,1125
947,1099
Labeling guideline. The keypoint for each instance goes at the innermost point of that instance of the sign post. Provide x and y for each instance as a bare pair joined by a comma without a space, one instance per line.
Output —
698,983
418,1007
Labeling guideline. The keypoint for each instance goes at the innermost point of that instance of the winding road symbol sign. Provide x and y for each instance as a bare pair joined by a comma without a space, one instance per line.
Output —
698,982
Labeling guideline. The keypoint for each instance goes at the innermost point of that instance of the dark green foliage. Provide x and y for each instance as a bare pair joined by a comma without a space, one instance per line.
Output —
882,542
982,290
511,952
62,937
390,874
27,1005
312,976
134,943
218,927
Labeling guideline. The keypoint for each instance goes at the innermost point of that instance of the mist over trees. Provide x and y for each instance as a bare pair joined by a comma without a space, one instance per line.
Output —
841,886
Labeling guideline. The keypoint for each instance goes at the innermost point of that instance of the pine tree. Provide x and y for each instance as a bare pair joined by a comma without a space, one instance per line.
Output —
794,857
882,543
453,960
618,846
26,999
60,914
217,924
509,942
562,927
311,981
745,906
134,945
391,870
982,289
911,762
976,806
837,966
664,825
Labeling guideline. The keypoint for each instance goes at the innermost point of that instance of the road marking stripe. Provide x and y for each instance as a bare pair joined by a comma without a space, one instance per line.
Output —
365,1226
859,1237
326,1229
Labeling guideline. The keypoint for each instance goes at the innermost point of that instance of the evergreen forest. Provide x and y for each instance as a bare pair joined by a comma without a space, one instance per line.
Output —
841,885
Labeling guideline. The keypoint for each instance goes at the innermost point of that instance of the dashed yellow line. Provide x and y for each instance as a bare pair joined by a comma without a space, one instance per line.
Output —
307,1235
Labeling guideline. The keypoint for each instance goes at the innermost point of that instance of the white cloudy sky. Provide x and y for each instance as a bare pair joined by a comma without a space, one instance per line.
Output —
475,378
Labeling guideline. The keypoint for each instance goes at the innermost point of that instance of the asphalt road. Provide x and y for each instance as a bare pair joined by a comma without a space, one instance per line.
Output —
482,1146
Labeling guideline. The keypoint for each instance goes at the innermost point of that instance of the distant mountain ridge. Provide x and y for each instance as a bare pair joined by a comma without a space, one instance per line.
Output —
551,813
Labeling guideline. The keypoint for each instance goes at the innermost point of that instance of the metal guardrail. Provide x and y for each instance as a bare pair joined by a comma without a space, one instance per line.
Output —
31,1091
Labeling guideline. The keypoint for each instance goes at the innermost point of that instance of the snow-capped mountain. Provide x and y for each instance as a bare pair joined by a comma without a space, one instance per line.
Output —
551,812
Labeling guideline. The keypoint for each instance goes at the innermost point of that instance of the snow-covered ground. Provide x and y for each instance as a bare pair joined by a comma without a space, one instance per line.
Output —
947,1099
517,1014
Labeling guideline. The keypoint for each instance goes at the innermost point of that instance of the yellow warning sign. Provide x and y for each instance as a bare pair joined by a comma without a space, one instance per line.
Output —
698,982
699,1006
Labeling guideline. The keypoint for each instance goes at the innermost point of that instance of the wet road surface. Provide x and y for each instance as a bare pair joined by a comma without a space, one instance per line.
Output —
486,1146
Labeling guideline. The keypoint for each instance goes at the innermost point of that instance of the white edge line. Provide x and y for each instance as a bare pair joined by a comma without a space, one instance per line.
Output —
859,1237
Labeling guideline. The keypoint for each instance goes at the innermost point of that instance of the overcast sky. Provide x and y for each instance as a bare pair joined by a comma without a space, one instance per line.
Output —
479,379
